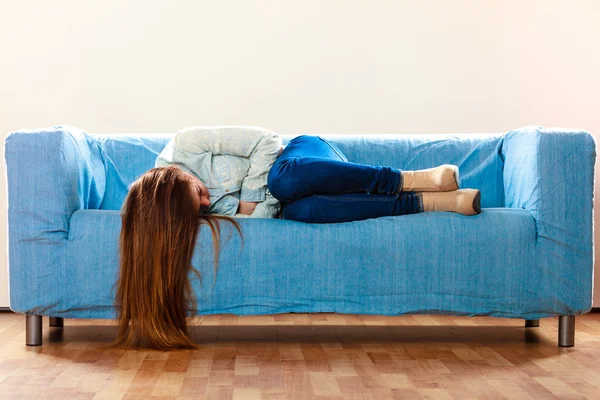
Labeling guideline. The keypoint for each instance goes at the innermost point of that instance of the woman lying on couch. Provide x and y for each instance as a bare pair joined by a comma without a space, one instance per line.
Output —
207,174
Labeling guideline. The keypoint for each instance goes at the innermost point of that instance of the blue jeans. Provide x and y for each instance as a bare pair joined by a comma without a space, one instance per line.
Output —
315,182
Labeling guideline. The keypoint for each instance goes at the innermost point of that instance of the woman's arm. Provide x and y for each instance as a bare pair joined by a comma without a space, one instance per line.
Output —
259,145
269,208
246,207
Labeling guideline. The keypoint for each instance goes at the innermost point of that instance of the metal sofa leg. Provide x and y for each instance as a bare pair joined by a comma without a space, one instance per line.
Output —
566,330
57,322
33,330
532,323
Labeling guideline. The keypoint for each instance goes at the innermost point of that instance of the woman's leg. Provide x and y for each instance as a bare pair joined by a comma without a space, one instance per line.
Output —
311,165
351,207
316,183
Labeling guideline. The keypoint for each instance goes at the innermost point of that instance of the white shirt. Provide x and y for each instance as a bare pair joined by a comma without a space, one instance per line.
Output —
232,161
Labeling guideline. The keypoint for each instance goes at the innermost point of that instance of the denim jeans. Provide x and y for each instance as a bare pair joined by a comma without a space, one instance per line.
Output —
315,182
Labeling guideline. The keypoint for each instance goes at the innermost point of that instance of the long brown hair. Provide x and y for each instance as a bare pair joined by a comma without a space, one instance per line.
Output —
159,228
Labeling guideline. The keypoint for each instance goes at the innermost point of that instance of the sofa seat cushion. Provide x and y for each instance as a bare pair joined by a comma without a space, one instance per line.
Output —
437,262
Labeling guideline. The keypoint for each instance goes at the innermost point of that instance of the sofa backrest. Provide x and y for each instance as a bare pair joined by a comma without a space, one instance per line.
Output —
127,156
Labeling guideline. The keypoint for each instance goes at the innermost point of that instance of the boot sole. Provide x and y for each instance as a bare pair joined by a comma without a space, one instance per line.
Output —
477,202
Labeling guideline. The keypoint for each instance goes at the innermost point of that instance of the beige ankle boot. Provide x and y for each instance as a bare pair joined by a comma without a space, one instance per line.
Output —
439,179
463,201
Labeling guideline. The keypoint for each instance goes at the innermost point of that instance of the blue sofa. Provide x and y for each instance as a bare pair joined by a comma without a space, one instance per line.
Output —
529,254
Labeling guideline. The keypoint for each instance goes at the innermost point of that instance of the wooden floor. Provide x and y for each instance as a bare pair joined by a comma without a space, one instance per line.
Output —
305,356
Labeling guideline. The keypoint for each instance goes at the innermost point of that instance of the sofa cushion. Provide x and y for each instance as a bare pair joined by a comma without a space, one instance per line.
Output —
437,262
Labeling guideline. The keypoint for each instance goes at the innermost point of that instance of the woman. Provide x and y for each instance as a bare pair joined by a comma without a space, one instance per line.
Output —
207,174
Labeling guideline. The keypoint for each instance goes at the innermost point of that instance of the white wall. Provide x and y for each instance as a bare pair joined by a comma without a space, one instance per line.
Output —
298,67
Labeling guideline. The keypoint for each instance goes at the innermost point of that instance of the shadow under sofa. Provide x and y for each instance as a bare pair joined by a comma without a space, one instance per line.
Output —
528,254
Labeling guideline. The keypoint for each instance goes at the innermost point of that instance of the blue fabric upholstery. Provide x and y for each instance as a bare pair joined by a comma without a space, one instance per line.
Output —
529,254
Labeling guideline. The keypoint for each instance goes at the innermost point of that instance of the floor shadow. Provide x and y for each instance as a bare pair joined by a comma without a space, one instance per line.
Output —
318,333
94,339
483,335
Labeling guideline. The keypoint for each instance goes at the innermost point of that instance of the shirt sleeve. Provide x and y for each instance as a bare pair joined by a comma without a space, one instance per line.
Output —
169,156
259,145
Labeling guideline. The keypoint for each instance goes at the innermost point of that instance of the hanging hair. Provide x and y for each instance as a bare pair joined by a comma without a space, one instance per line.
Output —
159,228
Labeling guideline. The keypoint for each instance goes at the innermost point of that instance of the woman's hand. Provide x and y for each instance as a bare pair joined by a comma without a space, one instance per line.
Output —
246,207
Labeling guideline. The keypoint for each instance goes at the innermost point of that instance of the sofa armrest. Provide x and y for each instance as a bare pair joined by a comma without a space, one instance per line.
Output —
50,174
550,173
